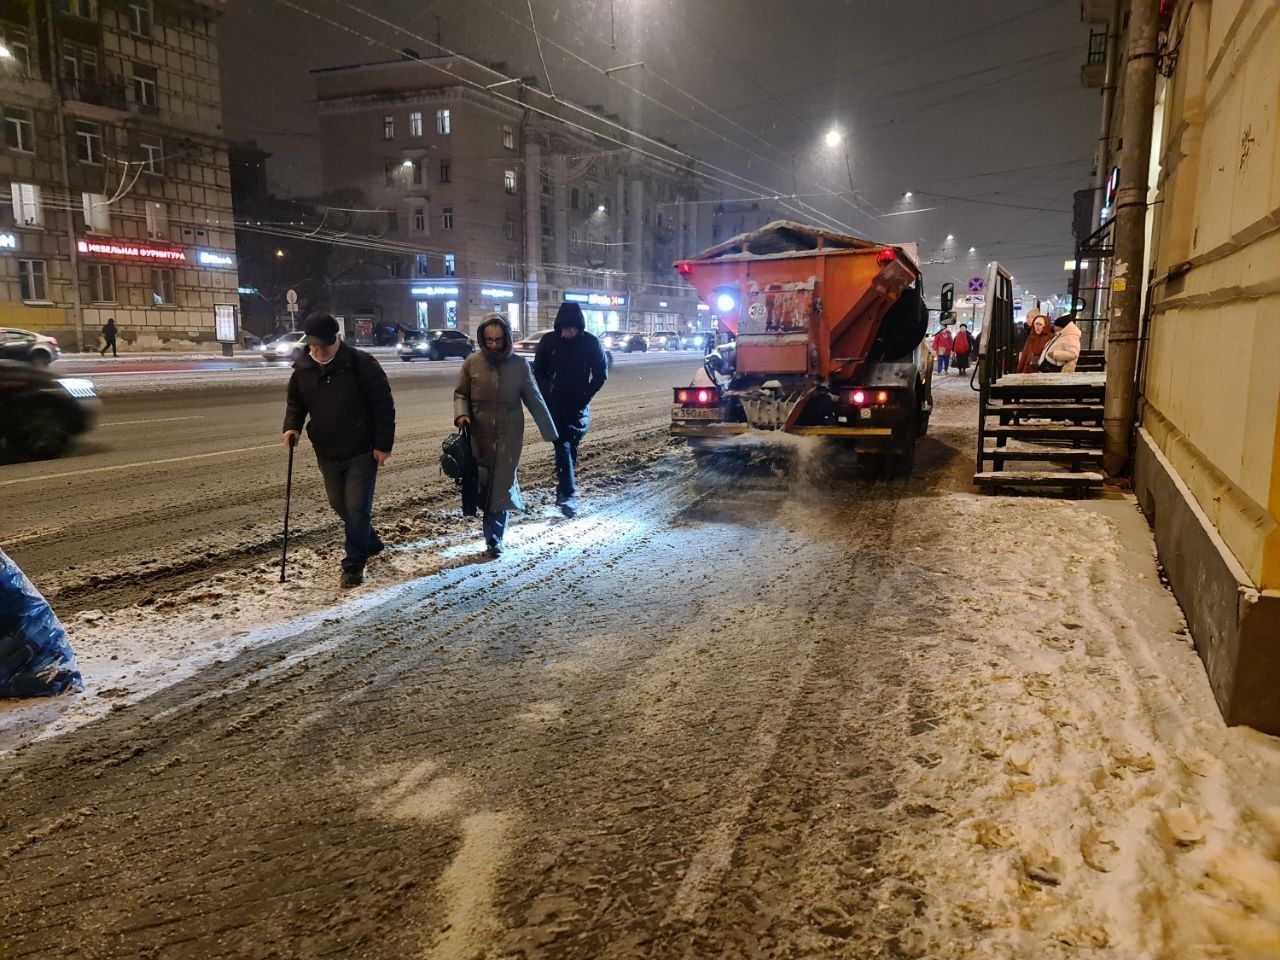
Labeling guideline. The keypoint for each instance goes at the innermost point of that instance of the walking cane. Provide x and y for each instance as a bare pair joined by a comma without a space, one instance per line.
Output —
288,495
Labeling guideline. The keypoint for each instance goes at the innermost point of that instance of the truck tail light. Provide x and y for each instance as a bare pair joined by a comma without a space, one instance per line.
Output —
887,255
697,396
685,269
865,398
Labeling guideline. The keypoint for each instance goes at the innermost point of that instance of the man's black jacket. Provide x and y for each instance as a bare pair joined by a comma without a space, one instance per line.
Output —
569,372
349,403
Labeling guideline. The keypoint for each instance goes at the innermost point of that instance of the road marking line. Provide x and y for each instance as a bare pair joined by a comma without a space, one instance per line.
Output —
128,423
147,463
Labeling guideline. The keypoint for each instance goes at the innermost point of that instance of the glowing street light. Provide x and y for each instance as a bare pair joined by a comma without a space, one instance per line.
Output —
973,249
5,53
600,209
908,195
834,137
950,237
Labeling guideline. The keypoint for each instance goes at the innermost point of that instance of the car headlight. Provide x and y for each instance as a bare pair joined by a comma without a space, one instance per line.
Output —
80,388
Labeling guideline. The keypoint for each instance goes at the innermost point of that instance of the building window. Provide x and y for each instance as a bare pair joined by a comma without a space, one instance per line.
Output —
152,155
443,122
509,229
15,41
144,86
573,237
31,279
423,265
102,283
574,198
546,182
88,142
396,269
78,8
140,17
446,171
420,219
97,217
416,167
27,211
157,220
389,171
19,130
509,181
79,66
447,216
162,288
511,273
388,127
508,138
450,265
415,124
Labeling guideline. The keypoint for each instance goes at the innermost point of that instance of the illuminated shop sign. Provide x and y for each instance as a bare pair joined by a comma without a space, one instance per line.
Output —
214,258
8,241
596,299
435,290
496,293
704,308
127,250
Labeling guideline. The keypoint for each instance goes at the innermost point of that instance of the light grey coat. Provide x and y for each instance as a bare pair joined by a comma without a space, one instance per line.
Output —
491,395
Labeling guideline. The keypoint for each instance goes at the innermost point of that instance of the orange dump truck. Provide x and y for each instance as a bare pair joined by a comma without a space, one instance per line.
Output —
821,335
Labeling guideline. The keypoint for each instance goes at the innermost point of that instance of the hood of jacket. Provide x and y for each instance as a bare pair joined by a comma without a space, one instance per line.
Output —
495,357
1070,330
569,315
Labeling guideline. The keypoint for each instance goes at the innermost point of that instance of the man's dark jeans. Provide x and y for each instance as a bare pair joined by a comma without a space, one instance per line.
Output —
495,525
569,433
349,484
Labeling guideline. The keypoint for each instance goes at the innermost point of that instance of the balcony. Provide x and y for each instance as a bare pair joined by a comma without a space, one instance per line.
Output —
98,99
1094,72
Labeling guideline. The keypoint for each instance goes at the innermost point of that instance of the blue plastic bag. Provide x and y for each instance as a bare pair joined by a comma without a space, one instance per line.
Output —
35,657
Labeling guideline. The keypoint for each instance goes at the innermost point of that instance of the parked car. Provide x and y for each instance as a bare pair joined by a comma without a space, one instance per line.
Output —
435,345
27,346
43,413
694,341
528,346
287,346
624,342
664,340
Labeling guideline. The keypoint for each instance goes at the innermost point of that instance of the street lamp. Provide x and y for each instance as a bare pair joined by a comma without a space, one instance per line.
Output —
5,53
834,137
950,237
973,249
908,195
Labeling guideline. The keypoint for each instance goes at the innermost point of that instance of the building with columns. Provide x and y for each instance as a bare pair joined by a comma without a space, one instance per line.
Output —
113,172
466,201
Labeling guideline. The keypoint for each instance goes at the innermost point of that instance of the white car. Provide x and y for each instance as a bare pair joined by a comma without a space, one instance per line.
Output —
287,346
27,346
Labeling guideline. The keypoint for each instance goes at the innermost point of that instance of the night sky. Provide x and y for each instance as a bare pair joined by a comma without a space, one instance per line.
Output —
974,107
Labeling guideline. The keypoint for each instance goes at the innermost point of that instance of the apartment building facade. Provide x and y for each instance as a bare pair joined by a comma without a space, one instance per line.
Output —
114,171
467,203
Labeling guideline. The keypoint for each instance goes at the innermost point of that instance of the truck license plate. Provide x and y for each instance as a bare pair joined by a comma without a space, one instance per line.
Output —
694,413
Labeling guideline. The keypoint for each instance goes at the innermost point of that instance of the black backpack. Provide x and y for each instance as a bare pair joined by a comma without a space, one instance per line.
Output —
456,457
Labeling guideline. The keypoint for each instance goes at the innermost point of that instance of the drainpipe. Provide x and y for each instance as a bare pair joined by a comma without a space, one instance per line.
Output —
77,308
1102,156
1130,235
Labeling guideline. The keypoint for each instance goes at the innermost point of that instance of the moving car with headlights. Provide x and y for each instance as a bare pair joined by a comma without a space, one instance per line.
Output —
528,346
664,340
435,345
287,346
27,346
42,413
623,342
828,334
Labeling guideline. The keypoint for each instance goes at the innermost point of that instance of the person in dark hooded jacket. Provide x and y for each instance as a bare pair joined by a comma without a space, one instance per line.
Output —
570,367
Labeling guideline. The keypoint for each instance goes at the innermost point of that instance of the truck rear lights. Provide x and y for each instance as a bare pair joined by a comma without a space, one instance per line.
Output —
697,396
684,269
858,398
887,255
866,398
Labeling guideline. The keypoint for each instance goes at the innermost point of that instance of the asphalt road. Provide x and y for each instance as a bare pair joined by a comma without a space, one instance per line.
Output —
184,473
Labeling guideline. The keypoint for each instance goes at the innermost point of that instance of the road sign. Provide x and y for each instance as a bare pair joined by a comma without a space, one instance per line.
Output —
1017,304
291,296
977,285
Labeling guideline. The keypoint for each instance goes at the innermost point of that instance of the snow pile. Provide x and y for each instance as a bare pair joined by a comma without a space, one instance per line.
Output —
1091,801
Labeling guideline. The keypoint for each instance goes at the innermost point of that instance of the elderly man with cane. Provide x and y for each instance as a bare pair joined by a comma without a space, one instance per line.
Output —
343,397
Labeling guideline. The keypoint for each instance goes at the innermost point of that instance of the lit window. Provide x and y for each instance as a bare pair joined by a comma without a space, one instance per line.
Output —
140,17
162,288
450,265
447,217
144,86
102,283
27,211
31,280
152,155
96,215
443,122
446,171
388,127
15,41
424,265
415,124
157,220
509,181
88,142
508,138
19,130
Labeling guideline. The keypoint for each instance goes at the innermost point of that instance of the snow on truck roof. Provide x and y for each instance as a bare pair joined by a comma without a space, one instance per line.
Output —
784,237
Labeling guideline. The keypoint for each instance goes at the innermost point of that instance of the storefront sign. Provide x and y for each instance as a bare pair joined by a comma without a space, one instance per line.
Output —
496,293
214,258
435,290
128,250
704,308
596,299
8,241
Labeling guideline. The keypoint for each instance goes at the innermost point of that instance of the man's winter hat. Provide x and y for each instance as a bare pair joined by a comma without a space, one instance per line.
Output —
321,330
1062,321
569,315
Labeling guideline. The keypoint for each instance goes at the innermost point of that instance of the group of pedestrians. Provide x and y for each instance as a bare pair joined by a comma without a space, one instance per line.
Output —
342,397
953,349
1051,346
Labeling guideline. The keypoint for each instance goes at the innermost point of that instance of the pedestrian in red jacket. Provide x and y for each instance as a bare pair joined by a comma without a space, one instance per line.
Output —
942,348
962,348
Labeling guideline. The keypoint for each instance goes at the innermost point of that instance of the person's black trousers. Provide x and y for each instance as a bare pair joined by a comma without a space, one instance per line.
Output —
349,485
569,433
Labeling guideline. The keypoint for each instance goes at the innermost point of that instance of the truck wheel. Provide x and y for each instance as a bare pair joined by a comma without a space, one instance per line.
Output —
902,461
45,432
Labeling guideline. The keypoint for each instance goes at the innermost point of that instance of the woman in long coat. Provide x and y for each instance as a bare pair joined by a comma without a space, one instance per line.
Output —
1038,337
491,388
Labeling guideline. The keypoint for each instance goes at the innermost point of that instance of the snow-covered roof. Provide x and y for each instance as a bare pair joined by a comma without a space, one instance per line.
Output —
784,236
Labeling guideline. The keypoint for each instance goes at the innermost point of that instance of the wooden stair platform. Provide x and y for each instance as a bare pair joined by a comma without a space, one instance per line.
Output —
1084,480
1076,455
1046,431
1049,386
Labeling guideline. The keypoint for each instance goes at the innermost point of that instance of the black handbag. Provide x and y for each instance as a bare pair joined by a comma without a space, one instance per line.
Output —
459,464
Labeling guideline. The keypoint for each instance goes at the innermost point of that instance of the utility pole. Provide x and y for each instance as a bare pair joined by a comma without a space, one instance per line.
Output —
1128,278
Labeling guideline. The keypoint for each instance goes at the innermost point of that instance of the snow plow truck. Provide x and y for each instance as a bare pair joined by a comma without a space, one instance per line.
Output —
827,336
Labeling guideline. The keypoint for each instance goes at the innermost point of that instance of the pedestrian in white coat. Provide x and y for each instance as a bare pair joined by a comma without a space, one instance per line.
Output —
491,388
1064,349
